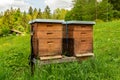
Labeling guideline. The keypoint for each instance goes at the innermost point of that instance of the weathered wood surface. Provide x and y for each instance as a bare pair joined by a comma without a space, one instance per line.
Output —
84,55
50,57
65,59
52,61
51,39
16,31
48,39
49,27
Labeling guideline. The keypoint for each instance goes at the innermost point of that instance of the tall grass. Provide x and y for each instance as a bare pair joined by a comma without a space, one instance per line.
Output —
15,50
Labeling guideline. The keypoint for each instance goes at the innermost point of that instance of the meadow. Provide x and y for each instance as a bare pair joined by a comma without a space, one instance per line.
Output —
15,51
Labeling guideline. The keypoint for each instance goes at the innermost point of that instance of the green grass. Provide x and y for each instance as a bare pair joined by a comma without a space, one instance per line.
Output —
15,50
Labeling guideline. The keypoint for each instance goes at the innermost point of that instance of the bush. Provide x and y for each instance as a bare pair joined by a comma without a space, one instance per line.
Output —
4,31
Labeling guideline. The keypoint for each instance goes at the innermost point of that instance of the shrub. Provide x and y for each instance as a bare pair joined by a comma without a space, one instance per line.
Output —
4,31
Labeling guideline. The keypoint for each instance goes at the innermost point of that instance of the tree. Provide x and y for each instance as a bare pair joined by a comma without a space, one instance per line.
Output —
116,8
35,13
90,10
30,12
8,19
24,22
116,4
39,15
59,13
82,10
47,13
104,10
17,14
6,23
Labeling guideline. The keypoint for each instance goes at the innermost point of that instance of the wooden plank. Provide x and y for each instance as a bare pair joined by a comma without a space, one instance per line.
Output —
50,57
83,46
16,31
66,59
49,34
49,47
52,61
79,27
84,55
48,26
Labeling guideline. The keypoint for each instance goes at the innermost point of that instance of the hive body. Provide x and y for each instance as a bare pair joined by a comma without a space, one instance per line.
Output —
52,39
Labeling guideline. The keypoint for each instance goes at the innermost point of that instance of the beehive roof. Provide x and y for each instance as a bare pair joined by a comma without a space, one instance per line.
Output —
46,20
79,22
60,21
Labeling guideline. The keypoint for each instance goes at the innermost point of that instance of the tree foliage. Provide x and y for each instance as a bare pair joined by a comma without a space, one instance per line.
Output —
15,19
83,10
39,13
47,13
116,4
90,10
116,8
59,13
106,11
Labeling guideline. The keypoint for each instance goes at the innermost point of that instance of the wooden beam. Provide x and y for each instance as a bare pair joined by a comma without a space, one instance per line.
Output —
19,32
62,60
50,57
84,55
58,59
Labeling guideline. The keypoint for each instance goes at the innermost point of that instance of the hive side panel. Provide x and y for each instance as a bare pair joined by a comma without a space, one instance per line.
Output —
50,47
34,39
83,38
80,34
49,37
83,46
35,47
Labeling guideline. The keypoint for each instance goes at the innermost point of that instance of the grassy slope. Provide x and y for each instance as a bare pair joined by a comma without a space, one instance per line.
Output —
14,52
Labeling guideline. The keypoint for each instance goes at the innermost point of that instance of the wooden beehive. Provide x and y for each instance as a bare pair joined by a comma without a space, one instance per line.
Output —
47,38
55,39
80,36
